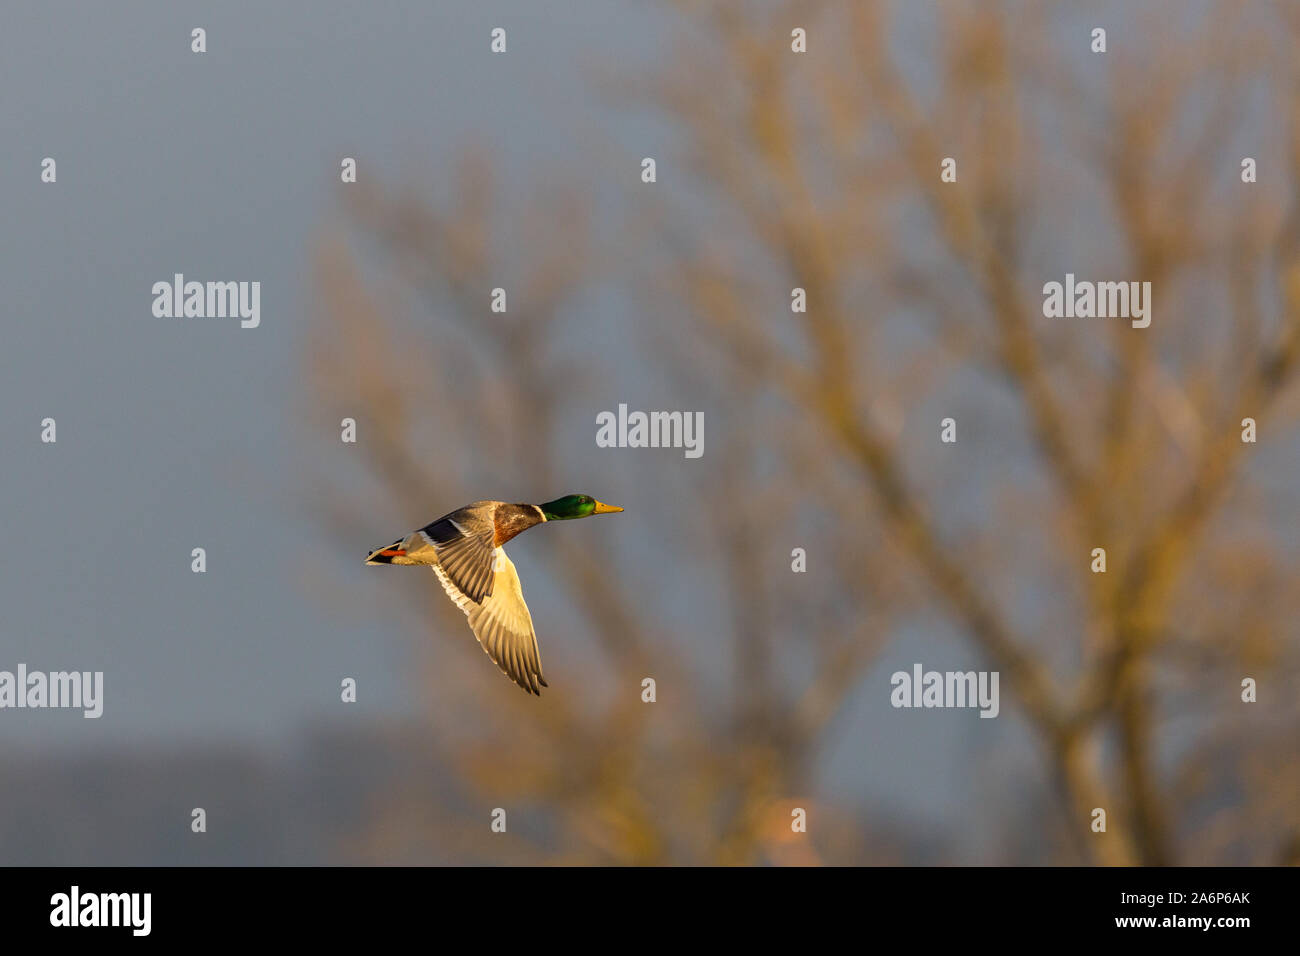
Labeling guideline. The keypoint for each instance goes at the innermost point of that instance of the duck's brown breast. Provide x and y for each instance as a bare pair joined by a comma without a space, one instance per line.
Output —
510,520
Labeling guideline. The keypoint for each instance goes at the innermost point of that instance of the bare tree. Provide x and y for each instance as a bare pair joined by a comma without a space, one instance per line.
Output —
820,171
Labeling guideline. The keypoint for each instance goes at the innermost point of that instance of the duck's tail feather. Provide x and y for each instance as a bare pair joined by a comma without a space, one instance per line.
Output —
386,555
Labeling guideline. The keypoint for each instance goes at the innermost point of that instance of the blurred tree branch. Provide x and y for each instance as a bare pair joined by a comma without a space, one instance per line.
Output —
821,172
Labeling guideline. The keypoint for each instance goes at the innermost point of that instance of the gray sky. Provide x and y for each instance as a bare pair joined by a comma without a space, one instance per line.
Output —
174,433
178,433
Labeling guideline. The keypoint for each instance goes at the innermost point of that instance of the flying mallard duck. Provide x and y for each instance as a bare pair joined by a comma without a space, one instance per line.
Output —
464,548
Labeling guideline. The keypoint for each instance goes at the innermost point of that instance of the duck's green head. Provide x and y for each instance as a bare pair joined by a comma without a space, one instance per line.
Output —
576,506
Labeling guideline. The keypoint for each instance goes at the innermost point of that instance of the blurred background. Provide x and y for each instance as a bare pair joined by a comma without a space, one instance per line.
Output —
775,170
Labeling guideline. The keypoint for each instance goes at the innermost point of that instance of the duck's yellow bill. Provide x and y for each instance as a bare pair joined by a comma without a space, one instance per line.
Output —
604,509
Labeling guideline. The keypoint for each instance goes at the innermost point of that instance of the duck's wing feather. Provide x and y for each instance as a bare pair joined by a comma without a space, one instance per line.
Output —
463,542
501,623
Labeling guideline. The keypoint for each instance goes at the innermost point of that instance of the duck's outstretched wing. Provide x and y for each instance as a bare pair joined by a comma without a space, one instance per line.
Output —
463,542
501,622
